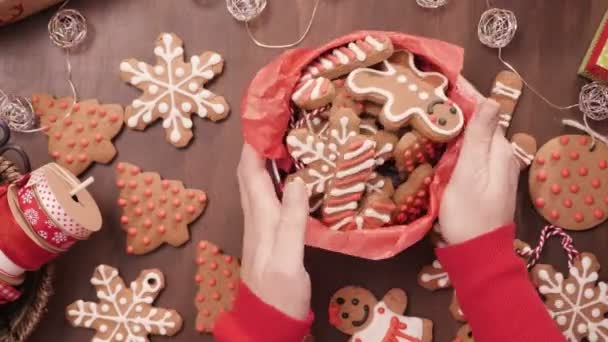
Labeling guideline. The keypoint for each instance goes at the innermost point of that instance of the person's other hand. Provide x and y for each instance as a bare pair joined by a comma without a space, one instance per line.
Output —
481,194
273,243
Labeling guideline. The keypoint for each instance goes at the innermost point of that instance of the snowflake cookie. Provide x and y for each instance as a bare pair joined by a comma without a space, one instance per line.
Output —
577,303
173,89
124,313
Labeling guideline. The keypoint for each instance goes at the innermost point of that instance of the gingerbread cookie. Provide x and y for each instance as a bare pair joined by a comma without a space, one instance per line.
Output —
524,148
411,197
344,59
506,90
356,311
569,182
433,277
173,89
338,166
82,137
343,99
217,278
412,150
314,93
464,334
124,313
578,302
409,97
155,211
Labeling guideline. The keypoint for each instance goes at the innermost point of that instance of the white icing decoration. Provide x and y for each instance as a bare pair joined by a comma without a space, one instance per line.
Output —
85,314
176,83
153,89
443,280
522,154
374,43
503,89
390,97
356,169
379,327
423,95
359,53
355,188
343,207
341,56
413,87
316,91
300,91
402,79
373,213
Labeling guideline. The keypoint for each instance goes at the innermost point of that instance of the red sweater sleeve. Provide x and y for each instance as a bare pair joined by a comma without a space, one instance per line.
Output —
252,320
494,290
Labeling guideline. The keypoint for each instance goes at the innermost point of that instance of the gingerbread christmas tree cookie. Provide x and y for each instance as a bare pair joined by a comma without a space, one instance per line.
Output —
79,133
217,278
154,210
124,313
173,89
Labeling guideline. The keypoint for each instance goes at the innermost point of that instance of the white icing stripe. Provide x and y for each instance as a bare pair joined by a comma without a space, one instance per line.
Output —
374,43
359,54
359,221
507,117
326,63
358,187
397,117
339,208
366,146
387,148
8,267
341,56
504,124
370,128
522,155
316,91
314,70
356,169
503,89
341,223
373,213
300,91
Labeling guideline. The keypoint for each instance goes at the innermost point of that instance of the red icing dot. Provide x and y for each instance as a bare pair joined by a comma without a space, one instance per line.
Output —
56,154
231,285
165,184
93,124
162,198
147,192
578,217
148,180
598,214
120,183
539,202
583,141
380,310
190,209
132,184
71,143
122,202
202,245
76,107
198,278
213,266
132,231
91,111
421,193
202,198
574,188
228,259
541,176
177,202
200,260
161,214
130,250
150,206
67,122
135,171
603,164
574,155
589,200
84,142
212,282
35,99
161,229
120,167
102,112
146,241
79,128
556,189
568,203
98,138
583,171
216,296
178,218
206,312
564,140
138,211
124,219
82,158
555,156
227,273
200,298
134,199
565,172
58,135
53,118
596,183
175,190
554,214
51,104
147,223
190,194
427,180
407,154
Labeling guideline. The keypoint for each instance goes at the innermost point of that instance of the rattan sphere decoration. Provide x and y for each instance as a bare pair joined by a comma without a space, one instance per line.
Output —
431,3
593,101
17,112
67,28
497,27
245,10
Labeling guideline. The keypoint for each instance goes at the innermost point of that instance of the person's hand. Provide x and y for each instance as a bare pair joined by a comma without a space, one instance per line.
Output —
481,194
273,243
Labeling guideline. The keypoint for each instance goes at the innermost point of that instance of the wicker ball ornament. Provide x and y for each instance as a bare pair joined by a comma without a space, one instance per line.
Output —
431,3
497,27
593,101
67,28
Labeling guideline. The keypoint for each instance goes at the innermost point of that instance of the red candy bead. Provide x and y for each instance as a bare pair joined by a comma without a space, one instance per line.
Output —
132,184
541,176
198,278
565,172
132,231
202,245
589,200
568,203
122,202
200,298
574,188
603,164
596,183
556,189
539,202
200,260
540,160
161,214
574,155
564,140
124,219
146,241
161,229
583,171
583,141
120,183
554,214
555,156
578,217
138,211
598,214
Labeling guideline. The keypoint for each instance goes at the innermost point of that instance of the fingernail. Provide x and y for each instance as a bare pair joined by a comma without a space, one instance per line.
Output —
296,189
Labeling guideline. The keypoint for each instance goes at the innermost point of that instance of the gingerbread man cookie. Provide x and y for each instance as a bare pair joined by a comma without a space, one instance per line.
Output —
356,311
569,182
344,59
84,136
217,278
155,211
173,89
506,90
124,313
409,97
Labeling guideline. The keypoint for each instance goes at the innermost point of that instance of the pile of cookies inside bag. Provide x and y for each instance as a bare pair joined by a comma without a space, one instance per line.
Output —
368,128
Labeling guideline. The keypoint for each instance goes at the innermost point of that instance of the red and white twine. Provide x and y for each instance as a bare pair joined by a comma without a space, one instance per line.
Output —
548,231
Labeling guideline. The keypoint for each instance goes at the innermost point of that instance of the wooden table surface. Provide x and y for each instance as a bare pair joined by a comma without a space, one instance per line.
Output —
552,39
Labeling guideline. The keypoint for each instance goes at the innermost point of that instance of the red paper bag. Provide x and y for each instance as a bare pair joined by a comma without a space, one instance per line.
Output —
265,115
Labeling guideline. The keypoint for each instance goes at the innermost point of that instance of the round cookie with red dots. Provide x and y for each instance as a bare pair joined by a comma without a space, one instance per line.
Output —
217,278
569,182
155,210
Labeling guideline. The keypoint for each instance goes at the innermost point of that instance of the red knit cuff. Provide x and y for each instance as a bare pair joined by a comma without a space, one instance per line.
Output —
253,320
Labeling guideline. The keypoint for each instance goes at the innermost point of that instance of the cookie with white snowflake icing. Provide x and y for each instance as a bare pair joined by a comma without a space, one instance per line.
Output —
124,313
173,89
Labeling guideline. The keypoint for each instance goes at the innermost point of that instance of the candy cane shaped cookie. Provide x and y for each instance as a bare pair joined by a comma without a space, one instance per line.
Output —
314,93
506,91
409,97
344,59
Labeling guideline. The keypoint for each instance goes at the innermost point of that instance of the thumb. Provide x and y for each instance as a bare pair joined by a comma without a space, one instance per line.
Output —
289,242
479,133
